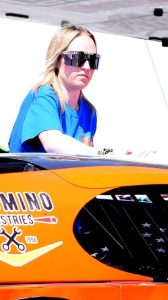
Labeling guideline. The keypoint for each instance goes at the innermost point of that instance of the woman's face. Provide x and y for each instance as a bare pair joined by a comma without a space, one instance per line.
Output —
77,78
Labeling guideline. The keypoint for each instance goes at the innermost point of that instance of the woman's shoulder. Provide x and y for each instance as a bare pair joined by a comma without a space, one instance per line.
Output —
46,89
46,92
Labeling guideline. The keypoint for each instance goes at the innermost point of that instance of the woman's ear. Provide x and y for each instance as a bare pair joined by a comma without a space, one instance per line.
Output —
57,66
58,63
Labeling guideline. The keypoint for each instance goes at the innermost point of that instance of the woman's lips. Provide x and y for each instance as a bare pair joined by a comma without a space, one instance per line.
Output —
83,76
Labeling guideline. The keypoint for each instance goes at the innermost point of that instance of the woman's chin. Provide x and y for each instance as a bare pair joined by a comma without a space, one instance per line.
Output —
82,84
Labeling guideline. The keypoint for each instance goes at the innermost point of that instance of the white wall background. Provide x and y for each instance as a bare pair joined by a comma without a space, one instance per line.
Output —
129,95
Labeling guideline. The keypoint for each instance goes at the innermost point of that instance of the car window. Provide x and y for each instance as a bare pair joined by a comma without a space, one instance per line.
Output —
127,228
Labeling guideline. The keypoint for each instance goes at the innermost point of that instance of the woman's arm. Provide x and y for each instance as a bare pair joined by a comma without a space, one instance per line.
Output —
54,141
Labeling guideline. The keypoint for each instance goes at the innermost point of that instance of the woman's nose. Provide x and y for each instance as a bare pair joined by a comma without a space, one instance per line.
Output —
86,65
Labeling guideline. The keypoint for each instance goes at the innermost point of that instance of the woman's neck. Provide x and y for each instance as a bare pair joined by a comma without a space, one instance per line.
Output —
71,97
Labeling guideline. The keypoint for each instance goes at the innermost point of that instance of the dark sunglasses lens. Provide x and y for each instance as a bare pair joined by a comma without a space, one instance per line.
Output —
93,61
71,61
78,59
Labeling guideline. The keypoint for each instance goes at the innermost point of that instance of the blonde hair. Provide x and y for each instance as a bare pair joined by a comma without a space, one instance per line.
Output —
59,43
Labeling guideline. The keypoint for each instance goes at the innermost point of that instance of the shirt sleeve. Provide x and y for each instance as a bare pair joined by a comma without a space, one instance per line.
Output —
43,114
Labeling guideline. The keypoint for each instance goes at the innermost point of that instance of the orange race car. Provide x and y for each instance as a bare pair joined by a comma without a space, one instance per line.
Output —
82,228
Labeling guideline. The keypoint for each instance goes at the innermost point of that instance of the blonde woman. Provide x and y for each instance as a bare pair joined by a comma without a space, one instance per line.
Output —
55,116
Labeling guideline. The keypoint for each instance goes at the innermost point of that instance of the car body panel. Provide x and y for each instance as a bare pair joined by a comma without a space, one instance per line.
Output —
65,201
41,196
101,290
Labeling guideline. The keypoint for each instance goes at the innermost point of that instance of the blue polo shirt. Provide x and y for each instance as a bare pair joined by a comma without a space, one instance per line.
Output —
41,111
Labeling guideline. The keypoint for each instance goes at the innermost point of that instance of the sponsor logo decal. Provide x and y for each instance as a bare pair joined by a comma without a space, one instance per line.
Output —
18,212
18,260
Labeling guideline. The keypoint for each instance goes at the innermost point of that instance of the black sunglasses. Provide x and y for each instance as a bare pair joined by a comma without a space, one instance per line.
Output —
78,58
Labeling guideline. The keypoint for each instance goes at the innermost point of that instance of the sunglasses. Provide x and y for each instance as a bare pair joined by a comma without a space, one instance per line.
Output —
78,58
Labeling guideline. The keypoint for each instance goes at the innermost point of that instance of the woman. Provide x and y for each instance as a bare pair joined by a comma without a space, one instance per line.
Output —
55,116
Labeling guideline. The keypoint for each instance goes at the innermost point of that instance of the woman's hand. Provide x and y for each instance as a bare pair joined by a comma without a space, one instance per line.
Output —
87,141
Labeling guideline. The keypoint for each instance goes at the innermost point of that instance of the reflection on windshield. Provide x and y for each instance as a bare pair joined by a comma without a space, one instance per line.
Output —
127,228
